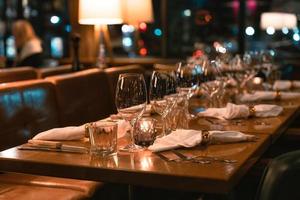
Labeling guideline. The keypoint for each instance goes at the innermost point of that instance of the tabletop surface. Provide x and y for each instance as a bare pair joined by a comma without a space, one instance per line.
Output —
148,169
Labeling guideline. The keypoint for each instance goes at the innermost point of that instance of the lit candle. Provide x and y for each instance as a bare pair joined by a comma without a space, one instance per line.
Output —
257,80
145,131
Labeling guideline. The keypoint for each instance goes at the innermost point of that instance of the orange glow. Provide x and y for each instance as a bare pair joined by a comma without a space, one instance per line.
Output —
143,26
143,51
198,53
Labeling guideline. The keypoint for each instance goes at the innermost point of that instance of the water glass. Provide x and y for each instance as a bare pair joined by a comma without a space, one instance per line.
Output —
103,138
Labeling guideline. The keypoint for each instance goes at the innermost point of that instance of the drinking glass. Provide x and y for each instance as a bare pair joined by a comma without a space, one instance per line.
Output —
103,138
131,100
162,83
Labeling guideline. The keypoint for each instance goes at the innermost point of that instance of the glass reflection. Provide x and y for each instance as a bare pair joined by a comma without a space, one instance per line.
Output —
109,161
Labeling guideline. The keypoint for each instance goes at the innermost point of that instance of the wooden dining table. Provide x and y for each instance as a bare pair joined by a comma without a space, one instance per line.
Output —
148,169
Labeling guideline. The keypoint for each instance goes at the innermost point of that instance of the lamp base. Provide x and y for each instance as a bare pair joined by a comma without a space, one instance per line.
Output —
101,57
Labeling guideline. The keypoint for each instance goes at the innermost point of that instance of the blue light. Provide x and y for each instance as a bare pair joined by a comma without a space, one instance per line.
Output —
270,30
250,30
285,30
157,32
296,37
57,47
127,41
54,19
187,13
68,28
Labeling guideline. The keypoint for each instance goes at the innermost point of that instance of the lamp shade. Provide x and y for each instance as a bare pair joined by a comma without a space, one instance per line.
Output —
136,11
278,20
100,12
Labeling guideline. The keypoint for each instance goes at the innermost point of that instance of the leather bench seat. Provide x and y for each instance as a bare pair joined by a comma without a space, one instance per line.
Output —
81,188
30,192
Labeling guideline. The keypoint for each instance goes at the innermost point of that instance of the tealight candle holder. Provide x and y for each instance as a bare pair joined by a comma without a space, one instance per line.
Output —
145,131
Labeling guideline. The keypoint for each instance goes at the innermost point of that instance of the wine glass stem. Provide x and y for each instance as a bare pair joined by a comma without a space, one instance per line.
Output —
132,123
163,126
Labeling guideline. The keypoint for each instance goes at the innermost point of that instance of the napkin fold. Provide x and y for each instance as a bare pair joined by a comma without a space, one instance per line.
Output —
76,132
268,95
233,111
285,84
190,138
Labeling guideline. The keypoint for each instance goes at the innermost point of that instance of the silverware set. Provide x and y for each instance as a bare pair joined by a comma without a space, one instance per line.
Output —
180,157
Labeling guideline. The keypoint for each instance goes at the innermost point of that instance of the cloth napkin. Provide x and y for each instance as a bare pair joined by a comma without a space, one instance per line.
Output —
76,132
232,111
285,85
190,138
268,95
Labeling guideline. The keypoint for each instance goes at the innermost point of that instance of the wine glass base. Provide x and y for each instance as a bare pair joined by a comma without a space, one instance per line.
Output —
131,148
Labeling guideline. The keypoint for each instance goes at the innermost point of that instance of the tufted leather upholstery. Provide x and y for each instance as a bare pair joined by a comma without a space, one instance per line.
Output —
26,108
113,76
82,96
52,71
17,74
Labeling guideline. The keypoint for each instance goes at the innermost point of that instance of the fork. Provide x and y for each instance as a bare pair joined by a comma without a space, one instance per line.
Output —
203,159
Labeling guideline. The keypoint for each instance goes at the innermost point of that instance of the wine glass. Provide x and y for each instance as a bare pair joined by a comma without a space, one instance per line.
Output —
163,83
131,101
188,75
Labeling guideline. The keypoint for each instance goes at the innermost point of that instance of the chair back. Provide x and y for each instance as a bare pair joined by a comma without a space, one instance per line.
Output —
281,178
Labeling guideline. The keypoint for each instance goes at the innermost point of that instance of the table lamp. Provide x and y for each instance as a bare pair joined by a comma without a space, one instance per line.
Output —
101,13
136,12
278,20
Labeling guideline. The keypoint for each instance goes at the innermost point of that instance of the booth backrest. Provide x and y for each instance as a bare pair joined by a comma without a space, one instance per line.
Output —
82,96
113,75
17,74
26,108
52,71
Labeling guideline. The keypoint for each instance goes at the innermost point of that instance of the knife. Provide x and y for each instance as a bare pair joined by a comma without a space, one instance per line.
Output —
62,148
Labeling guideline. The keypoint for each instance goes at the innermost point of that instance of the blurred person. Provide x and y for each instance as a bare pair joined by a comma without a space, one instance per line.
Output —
28,45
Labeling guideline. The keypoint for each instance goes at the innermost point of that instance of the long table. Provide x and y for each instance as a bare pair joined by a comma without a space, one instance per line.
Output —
147,169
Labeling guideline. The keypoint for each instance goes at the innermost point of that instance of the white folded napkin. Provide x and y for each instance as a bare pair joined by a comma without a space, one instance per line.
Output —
268,95
190,138
76,132
285,85
232,111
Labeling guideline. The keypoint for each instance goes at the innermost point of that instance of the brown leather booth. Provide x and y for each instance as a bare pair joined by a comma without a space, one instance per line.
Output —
82,96
52,71
17,74
26,108
113,76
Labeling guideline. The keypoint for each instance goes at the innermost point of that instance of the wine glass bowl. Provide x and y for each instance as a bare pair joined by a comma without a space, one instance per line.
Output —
163,83
131,101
